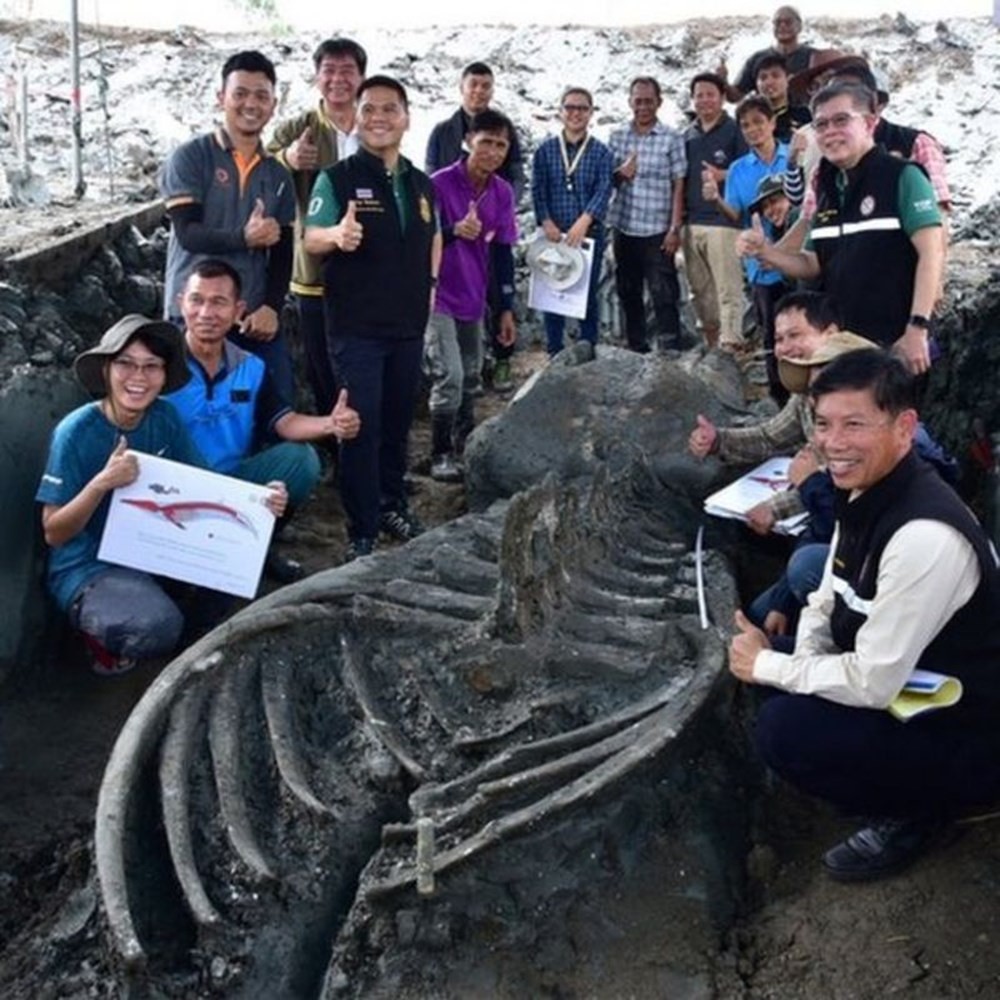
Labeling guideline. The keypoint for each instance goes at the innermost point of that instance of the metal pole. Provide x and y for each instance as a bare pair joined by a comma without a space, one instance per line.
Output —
79,185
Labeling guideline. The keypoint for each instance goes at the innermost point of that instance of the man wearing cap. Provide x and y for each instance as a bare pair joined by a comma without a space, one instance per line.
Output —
444,146
477,216
787,25
713,142
305,144
228,198
230,404
646,215
570,189
124,614
875,242
912,583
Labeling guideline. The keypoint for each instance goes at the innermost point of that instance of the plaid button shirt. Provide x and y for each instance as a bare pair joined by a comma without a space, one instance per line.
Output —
590,188
642,206
788,430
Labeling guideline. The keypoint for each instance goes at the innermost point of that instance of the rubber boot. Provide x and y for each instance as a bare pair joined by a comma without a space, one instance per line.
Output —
444,469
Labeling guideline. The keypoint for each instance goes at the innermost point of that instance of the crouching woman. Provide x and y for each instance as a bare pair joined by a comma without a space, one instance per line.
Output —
125,615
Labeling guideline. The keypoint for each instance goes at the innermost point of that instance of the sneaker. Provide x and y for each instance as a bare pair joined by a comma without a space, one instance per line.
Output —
503,381
400,524
281,569
103,662
884,848
358,547
444,469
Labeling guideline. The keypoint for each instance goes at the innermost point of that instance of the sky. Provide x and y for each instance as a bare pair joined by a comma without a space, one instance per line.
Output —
303,13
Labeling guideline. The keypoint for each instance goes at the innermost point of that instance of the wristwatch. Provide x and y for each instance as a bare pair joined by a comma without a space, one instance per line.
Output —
921,322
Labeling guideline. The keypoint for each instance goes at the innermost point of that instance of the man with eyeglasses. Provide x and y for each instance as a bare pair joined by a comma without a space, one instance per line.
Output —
912,583
570,188
646,215
373,219
875,243
787,26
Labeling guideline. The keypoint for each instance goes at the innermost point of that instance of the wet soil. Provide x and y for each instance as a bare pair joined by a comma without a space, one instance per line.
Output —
931,934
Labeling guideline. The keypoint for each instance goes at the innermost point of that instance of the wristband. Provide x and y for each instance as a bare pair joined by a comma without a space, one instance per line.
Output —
922,322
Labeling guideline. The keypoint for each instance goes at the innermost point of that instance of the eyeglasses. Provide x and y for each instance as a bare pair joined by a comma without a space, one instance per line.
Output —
838,121
581,108
148,368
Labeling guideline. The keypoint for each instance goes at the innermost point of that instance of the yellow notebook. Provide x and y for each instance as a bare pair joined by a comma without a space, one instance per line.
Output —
925,691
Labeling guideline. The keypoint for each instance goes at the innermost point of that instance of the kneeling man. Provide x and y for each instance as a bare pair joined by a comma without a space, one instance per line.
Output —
912,582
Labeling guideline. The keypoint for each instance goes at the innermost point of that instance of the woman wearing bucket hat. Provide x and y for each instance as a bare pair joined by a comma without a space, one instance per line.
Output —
123,614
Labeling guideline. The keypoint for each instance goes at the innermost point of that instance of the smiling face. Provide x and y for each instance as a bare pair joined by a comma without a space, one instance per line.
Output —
382,120
707,101
757,129
487,151
786,25
644,102
247,101
477,92
860,443
135,376
337,80
844,132
772,82
210,307
795,336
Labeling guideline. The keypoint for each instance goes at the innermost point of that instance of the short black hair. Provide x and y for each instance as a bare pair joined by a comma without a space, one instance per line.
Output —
489,120
713,78
335,47
651,81
249,61
212,267
887,378
820,310
768,60
380,80
862,98
576,90
477,69
754,102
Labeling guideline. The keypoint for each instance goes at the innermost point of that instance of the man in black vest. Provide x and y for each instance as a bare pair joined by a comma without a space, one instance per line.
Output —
875,242
912,584
372,217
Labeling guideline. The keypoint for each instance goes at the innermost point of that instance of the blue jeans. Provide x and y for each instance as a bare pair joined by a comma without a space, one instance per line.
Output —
555,324
801,577
382,379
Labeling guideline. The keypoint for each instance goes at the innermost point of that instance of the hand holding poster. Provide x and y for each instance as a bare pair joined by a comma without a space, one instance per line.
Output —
190,525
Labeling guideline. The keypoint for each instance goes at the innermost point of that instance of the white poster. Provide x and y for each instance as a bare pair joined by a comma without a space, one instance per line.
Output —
191,525
548,296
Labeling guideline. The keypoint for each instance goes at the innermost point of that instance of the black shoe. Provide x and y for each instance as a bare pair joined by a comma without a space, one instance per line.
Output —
884,848
281,569
358,547
400,524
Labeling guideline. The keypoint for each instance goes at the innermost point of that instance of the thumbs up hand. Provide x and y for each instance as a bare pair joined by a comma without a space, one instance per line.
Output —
703,438
744,647
345,422
752,241
348,233
121,468
303,154
469,227
261,230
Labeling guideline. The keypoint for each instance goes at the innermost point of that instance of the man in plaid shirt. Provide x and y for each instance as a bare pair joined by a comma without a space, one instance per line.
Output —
646,215
570,188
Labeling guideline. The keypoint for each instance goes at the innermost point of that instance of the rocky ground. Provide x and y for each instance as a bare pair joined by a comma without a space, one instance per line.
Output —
928,935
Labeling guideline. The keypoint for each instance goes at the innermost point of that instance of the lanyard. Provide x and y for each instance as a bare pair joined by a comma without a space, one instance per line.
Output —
570,167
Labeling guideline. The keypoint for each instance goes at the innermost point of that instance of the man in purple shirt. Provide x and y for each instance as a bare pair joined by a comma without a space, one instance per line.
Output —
476,209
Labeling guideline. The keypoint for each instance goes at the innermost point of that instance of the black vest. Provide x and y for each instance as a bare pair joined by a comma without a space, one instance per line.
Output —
968,646
867,262
383,288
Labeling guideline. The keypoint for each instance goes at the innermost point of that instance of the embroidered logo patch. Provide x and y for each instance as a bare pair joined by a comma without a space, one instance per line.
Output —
222,175
867,205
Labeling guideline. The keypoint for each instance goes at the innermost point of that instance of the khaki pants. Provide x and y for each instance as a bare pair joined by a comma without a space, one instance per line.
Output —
716,279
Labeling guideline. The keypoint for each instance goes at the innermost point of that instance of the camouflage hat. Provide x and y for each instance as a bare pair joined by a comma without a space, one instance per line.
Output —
794,372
